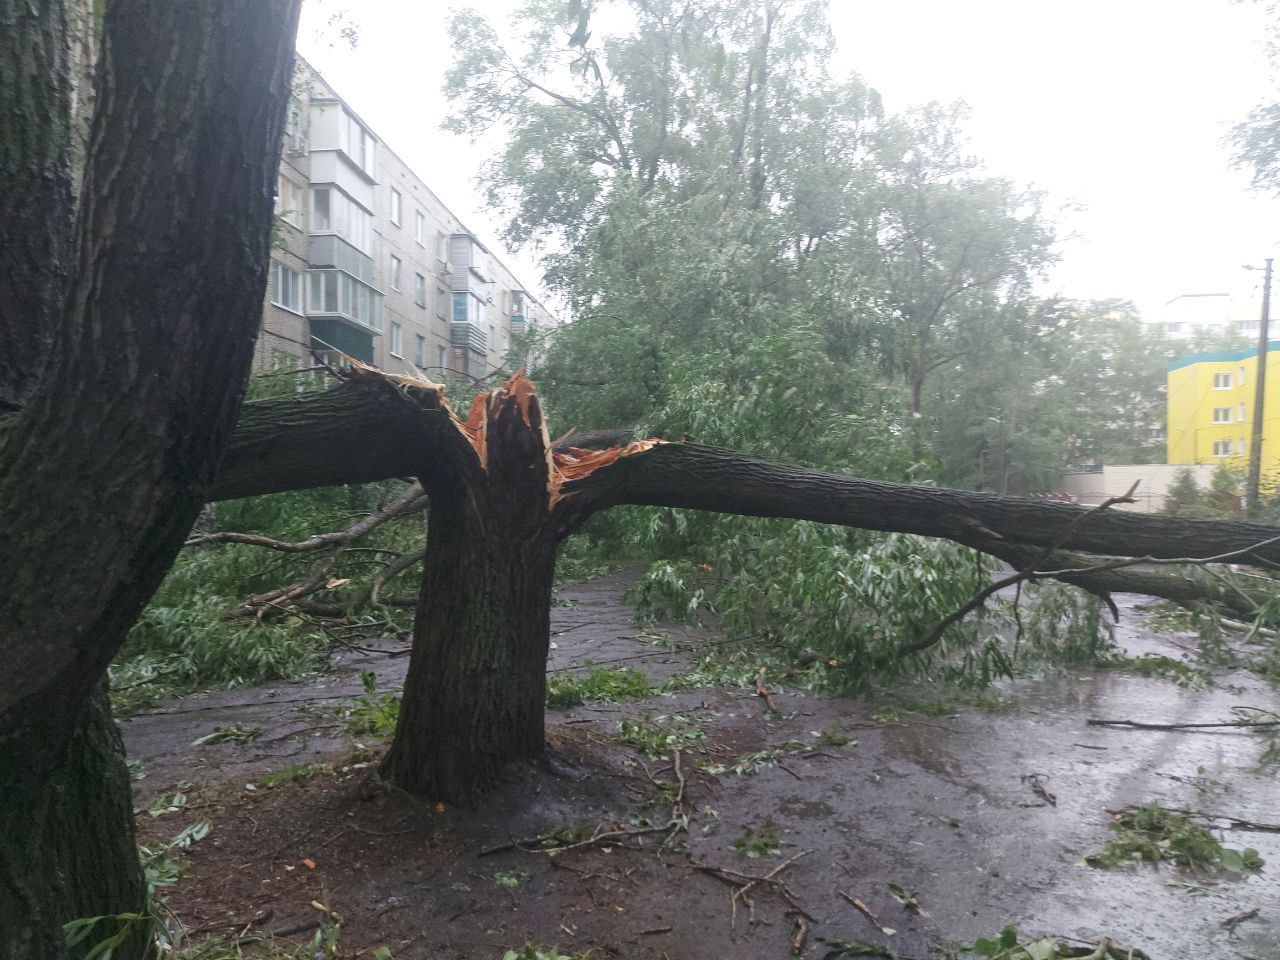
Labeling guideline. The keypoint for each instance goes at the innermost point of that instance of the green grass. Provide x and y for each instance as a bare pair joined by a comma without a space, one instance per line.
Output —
290,774
372,713
598,686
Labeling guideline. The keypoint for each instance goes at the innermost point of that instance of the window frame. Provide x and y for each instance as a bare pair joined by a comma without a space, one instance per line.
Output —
396,264
278,268
420,228
1223,415
395,340
397,206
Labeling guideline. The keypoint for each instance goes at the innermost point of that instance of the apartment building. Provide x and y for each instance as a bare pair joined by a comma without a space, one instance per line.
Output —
1190,315
368,262
1210,408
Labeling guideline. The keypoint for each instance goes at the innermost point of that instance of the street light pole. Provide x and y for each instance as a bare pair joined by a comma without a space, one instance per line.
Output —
1259,400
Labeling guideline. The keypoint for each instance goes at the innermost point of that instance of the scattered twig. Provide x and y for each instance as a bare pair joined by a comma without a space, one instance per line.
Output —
1233,823
799,936
763,692
744,883
1143,725
863,909
1037,781
1234,921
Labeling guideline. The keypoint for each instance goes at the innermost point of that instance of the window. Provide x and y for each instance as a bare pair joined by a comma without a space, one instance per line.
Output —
288,202
357,142
395,272
395,206
1222,381
1172,327
419,289
293,125
440,302
420,354
286,287
459,308
396,345
517,304
1239,446
442,247
1240,376
442,358
332,211
420,227
1241,411
282,360
1222,448
491,341
1221,414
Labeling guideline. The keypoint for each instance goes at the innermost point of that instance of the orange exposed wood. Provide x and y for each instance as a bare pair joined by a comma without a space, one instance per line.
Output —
576,463
521,389
476,427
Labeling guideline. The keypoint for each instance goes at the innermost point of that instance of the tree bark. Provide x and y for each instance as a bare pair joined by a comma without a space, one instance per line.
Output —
144,284
474,698
67,842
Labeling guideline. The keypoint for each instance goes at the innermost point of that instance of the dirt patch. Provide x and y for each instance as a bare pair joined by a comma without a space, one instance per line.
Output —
945,808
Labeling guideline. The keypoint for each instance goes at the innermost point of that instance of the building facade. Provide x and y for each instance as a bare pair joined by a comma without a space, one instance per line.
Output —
1153,481
1190,315
1210,408
368,263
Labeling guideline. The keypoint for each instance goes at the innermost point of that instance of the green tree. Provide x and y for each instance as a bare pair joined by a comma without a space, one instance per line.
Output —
1185,497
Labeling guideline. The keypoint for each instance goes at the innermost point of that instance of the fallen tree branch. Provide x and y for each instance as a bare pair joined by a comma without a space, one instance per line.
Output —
1233,823
1028,572
1142,725
413,500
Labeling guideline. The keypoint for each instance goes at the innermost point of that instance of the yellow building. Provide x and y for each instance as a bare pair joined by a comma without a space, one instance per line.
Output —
1210,408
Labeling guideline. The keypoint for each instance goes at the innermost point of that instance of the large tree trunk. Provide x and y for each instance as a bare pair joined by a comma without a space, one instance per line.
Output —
67,841
128,307
475,694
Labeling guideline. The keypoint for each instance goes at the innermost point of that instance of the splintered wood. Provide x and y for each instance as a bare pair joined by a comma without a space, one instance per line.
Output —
563,466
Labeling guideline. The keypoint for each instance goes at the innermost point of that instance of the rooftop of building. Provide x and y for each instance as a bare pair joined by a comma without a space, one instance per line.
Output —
1223,356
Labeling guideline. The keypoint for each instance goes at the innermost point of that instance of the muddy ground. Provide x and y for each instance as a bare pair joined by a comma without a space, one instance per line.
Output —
942,806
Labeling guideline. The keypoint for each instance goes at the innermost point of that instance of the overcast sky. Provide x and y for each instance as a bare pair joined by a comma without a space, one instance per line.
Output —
1116,108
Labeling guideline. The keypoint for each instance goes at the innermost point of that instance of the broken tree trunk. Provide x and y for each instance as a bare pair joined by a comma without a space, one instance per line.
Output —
475,694
373,428
501,502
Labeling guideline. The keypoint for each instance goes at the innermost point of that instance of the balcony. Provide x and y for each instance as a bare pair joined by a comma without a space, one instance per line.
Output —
338,294
469,335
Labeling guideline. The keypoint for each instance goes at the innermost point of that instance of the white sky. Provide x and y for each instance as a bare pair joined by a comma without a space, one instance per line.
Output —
1116,108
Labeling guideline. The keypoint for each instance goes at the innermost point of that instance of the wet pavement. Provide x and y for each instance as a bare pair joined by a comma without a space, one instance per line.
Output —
941,806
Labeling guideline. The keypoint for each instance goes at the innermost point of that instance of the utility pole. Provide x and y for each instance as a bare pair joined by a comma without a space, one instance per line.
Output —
1259,401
